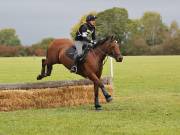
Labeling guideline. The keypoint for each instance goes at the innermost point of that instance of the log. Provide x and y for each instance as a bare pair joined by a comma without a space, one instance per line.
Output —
51,84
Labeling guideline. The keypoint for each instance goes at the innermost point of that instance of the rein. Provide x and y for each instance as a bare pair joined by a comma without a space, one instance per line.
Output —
103,53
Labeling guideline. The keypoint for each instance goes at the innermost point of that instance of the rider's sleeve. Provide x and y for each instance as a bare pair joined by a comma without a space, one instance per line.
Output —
84,34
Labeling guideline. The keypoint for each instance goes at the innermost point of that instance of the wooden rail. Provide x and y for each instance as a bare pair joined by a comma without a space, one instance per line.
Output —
51,84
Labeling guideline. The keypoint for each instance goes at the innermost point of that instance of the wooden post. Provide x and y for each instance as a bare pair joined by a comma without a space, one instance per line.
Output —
111,68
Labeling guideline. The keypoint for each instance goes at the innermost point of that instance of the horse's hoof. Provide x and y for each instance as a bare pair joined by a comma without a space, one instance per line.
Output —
108,98
39,77
98,107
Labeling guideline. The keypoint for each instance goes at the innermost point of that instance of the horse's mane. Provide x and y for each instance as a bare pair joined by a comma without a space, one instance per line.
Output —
100,42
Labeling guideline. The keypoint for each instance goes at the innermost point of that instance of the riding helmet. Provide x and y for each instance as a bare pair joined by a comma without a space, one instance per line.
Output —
90,18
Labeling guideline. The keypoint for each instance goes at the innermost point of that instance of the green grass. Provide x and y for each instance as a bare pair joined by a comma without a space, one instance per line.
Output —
146,100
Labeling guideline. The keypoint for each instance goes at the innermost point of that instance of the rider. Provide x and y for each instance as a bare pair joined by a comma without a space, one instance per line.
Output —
85,36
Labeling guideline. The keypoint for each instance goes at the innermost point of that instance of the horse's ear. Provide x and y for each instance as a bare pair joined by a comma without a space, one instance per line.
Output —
112,38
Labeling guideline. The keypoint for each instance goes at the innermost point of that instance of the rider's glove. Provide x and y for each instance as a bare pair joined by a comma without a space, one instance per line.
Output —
93,42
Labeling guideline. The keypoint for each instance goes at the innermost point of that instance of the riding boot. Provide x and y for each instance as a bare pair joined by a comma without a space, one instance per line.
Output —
74,67
79,59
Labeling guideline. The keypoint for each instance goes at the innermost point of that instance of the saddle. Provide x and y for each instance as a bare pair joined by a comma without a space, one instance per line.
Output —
73,54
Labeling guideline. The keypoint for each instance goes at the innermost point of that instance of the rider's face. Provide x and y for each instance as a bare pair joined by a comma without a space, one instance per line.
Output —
93,22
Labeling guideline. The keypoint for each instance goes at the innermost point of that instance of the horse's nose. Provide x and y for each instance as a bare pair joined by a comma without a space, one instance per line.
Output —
120,58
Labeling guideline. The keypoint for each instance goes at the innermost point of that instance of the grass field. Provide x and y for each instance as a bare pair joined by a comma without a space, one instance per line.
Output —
146,100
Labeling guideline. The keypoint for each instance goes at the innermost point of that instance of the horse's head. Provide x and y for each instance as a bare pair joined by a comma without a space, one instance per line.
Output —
113,49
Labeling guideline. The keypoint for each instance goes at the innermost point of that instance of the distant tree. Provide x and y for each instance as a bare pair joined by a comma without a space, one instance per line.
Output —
153,28
39,52
8,51
112,22
172,47
39,49
8,37
43,44
174,29
136,46
134,32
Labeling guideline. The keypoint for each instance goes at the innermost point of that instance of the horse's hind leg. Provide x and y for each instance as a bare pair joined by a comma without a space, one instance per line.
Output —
43,69
49,69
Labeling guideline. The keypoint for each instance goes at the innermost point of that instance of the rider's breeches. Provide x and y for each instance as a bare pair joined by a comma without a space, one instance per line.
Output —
79,45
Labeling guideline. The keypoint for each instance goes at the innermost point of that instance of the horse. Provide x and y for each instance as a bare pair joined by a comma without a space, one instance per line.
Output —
91,68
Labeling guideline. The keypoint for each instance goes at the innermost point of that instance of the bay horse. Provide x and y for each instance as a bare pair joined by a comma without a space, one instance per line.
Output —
91,68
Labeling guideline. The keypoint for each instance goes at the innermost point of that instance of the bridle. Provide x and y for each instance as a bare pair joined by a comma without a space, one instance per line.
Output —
113,54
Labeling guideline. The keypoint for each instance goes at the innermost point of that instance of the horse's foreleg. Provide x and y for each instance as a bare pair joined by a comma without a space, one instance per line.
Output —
96,98
105,93
97,82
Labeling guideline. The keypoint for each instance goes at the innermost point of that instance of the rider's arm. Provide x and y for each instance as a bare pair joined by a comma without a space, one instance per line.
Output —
84,34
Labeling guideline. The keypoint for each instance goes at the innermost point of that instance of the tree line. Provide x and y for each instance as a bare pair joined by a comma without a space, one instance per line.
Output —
10,45
148,35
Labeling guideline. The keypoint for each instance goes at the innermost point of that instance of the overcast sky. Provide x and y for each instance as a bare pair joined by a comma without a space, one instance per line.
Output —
37,19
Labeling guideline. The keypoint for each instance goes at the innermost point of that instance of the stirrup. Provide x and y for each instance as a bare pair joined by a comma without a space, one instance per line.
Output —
74,69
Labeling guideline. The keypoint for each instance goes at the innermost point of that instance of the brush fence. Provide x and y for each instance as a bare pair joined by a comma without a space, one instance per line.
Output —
49,94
